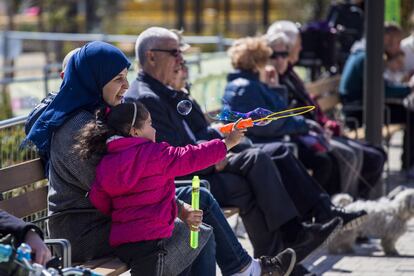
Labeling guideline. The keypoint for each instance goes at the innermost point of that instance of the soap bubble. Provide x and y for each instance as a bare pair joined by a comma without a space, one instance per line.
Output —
184,107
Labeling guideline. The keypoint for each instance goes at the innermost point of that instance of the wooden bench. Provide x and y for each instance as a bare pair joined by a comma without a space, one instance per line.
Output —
326,92
35,200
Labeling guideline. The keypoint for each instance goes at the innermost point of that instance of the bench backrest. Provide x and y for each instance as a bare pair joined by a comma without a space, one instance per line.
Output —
325,91
19,176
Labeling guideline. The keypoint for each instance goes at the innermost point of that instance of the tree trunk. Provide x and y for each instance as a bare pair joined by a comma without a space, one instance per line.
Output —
198,16
265,15
227,20
180,11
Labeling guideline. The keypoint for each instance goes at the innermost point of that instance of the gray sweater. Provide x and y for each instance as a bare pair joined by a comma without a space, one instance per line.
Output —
69,182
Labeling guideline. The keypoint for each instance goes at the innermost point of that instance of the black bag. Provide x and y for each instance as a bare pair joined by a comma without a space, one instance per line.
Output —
37,111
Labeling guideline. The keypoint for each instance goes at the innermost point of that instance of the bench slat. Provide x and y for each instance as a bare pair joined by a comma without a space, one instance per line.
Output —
27,203
325,91
229,211
112,268
95,262
21,174
328,102
323,85
386,132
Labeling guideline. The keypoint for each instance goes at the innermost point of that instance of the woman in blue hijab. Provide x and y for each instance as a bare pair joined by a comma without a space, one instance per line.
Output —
83,88
95,79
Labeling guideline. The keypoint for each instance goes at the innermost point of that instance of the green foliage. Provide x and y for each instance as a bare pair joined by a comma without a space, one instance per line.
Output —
5,104
10,152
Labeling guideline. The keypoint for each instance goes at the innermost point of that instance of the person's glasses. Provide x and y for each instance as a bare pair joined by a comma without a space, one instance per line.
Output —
173,52
277,54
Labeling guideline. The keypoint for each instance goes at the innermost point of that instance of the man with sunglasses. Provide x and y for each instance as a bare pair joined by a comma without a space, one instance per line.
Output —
249,180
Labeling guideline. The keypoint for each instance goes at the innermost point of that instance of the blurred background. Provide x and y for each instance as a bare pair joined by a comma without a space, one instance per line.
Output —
36,35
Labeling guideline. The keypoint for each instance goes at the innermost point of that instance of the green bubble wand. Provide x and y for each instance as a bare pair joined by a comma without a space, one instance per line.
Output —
195,204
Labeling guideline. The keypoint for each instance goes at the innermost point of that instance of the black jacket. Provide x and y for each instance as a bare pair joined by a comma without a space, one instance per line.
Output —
9,224
161,102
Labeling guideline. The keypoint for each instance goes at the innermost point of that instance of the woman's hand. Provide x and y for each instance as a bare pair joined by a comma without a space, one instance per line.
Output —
39,248
193,218
269,76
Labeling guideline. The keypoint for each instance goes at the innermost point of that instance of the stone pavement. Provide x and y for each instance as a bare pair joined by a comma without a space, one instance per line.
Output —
368,259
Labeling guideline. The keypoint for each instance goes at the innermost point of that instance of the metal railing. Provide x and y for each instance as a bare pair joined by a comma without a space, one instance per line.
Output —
205,89
220,41
11,136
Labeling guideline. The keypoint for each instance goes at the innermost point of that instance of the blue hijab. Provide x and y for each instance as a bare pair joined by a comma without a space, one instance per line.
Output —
87,72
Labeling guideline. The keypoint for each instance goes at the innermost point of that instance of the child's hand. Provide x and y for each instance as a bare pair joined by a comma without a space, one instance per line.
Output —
234,136
193,218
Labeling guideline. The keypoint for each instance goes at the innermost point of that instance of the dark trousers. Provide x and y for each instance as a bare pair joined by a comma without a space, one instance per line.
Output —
231,257
323,165
398,115
372,165
252,183
144,258
304,190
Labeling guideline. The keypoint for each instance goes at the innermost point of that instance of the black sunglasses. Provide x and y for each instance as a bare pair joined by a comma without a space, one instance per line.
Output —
276,54
173,52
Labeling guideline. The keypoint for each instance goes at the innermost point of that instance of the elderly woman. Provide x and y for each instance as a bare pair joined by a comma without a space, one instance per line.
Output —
246,90
361,164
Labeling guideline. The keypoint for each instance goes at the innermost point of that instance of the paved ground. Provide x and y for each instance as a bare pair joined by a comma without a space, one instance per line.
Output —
368,259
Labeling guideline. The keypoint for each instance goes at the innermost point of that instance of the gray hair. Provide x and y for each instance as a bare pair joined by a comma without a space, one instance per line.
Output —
149,39
290,29
67,58
278,38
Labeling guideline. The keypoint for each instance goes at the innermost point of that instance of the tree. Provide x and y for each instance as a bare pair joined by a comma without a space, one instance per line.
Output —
5,104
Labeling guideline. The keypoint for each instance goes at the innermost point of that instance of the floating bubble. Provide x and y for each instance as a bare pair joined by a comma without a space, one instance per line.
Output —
184,107
259,113
232,116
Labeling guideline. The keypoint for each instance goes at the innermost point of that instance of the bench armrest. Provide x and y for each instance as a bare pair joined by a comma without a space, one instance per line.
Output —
65,250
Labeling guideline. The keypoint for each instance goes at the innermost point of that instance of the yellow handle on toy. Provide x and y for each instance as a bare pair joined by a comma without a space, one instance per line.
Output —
195,204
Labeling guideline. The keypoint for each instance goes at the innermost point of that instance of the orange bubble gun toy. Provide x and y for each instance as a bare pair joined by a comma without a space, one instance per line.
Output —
249,122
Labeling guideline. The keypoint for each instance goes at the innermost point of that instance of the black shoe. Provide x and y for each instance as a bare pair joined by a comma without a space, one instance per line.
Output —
313,236
300,270
327,211
350,220
280,265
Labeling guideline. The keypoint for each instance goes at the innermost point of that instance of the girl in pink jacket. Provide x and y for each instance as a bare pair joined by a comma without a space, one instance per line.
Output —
134,181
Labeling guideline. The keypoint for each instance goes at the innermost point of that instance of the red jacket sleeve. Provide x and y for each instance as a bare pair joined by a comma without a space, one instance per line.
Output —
180,161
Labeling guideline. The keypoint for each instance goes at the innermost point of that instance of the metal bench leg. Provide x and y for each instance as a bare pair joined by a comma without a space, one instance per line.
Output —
65,249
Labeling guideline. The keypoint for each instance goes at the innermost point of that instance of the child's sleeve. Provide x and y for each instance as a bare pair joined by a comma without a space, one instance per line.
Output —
100,199
180,161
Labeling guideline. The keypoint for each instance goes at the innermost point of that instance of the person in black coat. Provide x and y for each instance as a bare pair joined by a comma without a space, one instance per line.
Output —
27,233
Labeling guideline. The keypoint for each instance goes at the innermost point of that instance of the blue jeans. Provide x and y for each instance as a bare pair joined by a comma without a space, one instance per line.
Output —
230,255
205,263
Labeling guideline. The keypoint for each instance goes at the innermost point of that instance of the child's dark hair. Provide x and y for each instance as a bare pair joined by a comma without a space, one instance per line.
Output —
109,122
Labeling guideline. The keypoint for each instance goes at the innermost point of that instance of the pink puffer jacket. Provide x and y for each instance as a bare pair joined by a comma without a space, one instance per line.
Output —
134,184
